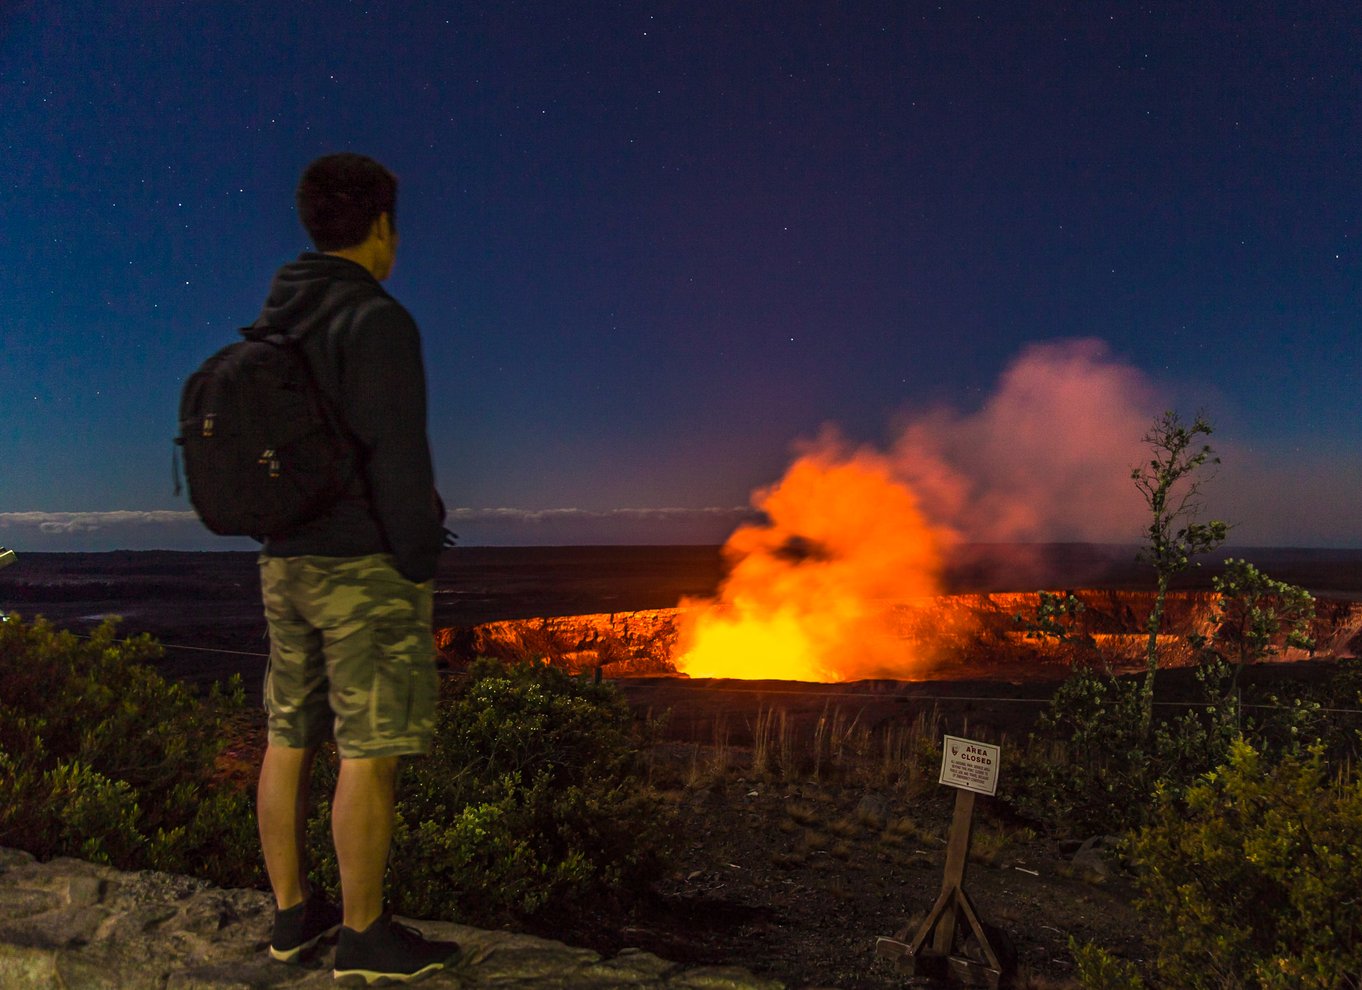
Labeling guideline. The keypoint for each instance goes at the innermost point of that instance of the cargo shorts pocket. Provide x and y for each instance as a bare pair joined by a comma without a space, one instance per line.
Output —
403,691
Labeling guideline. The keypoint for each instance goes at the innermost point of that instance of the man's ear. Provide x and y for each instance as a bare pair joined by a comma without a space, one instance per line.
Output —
383,227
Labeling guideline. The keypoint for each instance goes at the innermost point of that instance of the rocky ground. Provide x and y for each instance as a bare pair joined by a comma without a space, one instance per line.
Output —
72,925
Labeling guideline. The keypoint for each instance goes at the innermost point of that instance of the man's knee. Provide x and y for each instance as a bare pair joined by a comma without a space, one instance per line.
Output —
286,764
378,773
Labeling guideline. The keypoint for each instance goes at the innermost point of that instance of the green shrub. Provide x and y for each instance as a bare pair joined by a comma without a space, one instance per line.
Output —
102,758
531,801
1085,760
1256,616
1252,878
1342,696
1098,969
1088,768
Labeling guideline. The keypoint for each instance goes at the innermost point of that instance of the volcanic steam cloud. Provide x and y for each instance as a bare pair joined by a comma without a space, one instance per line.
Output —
849,532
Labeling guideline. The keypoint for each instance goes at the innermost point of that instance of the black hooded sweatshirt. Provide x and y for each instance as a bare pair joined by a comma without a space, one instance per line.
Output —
365,352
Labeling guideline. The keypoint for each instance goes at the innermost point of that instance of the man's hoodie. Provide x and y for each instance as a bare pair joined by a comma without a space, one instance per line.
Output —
365,352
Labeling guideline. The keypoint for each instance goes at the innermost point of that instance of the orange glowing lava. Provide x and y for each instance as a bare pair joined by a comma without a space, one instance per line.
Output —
808,594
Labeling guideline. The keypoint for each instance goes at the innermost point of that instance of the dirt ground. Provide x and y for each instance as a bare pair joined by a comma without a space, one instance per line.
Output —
797,880
796,873
793,874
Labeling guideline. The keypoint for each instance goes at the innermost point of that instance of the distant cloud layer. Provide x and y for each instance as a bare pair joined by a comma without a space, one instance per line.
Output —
1269,503
53,523
174,530
119,529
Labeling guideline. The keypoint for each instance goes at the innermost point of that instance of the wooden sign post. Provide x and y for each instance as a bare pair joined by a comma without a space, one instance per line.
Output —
972,768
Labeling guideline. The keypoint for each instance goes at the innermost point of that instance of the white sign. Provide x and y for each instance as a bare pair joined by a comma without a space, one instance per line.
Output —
970,765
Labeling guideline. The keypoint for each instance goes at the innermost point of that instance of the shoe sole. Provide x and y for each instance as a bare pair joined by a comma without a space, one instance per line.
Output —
371,978
292,955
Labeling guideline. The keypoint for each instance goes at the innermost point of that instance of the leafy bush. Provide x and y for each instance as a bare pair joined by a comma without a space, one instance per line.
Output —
1088,768
530,802
1085,759
1256,616
1098,969
1337,710
102,758
1251,879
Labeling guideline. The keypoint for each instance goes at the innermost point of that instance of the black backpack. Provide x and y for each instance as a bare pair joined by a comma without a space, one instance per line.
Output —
263,449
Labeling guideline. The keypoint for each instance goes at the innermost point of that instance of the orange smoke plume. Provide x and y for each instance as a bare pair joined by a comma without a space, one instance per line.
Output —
817,592
809,593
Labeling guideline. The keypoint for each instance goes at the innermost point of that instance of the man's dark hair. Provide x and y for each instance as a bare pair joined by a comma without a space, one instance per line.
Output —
340,196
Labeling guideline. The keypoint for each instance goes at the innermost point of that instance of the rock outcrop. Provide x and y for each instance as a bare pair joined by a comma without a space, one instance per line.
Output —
72,925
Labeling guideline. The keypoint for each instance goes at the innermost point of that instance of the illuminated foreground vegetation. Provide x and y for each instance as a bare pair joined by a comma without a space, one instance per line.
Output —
531,801
1241,814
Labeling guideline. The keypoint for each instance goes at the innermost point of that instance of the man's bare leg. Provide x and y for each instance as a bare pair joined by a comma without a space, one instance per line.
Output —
362,828
281,812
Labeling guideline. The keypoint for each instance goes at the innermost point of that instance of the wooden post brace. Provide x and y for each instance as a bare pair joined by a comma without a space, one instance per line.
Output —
915,956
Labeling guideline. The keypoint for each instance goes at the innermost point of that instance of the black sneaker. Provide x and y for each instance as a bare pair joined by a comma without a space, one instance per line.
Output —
301,927
387,952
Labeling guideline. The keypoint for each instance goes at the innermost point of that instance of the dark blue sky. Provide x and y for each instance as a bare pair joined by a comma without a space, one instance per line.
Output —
651,245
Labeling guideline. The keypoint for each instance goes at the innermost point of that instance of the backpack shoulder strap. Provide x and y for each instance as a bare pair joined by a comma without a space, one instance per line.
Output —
294,344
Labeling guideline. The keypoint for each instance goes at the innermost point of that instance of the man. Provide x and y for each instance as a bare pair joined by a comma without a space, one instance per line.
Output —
348,595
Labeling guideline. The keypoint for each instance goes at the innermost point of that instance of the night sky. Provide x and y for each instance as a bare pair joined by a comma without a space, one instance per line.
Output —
652,247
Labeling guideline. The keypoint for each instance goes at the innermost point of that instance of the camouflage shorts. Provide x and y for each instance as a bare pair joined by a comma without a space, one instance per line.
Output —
351,655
